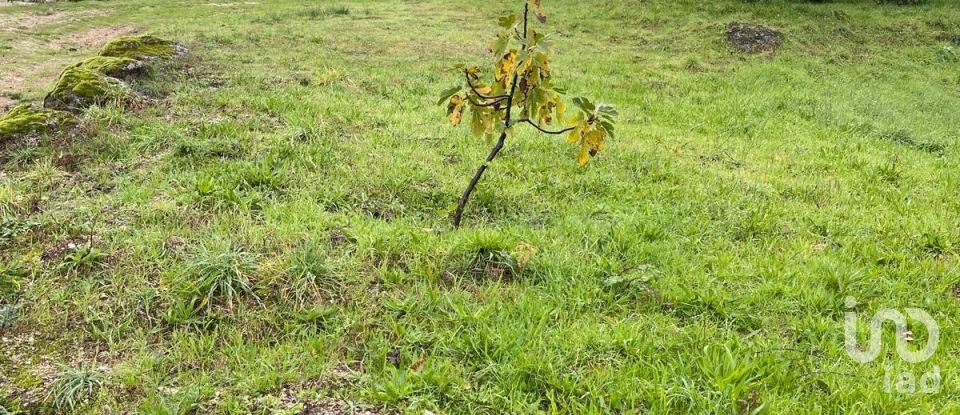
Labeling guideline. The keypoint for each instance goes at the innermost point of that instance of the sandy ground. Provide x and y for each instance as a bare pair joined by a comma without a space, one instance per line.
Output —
19,77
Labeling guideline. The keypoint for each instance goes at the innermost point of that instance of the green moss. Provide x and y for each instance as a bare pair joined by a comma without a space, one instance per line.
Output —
27,119
141,47
79,88
113,66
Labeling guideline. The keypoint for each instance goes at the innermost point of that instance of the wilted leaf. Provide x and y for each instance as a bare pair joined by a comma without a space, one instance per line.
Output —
504,70
483,89
594,138
418,364
447,94
455,109
584,157
537,11
472,72
523,252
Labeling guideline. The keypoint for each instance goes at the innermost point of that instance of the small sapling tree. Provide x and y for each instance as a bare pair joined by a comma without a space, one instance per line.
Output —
522,92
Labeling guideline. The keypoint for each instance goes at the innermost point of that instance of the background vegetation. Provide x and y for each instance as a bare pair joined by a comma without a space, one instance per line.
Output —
271,233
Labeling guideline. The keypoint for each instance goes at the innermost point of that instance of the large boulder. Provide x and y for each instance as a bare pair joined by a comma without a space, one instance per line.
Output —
78,88
143,47
120,68
28,119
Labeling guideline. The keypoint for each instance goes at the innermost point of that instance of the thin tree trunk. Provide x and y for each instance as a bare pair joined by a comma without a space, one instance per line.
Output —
458,215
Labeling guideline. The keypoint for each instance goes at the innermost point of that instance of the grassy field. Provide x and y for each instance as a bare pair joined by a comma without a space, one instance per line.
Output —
268,232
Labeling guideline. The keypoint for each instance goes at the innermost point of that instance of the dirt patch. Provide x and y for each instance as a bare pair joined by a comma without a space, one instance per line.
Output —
231,4
6,103
29,21
23,3
750,38
93,38
9,84
287,400
18,80
14,23
13,83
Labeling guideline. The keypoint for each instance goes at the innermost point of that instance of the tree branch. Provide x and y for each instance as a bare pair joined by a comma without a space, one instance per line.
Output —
542,130
485,104
467,75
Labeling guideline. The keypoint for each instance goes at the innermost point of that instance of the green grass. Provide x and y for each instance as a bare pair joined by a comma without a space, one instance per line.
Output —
271,228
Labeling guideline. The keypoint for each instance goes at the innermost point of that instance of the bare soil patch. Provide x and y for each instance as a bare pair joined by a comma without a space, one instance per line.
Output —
93,38
13,23
23,3
6,103
28,21
750,38
10,83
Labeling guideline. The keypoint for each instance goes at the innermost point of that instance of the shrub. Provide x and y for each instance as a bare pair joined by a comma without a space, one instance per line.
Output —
522,79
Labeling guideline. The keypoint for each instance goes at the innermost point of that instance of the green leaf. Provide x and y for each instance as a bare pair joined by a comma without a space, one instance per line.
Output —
499,46
446,94
608,127
584,104
507,22
607,109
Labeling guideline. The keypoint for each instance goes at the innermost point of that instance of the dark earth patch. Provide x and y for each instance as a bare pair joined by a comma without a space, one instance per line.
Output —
750,38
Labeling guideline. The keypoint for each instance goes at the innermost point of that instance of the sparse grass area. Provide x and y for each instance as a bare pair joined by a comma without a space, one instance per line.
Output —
271,233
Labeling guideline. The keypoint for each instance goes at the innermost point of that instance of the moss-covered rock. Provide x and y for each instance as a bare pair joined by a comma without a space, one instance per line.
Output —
123,68
79,88
142,48
28,119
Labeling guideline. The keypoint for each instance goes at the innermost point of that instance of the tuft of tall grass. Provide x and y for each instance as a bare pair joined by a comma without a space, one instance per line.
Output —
75,387
219,274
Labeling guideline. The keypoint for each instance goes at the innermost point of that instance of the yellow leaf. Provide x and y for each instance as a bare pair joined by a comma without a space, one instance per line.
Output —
560,110
594,138
523,252
455,109
577,119
574,135
505,68
584,154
